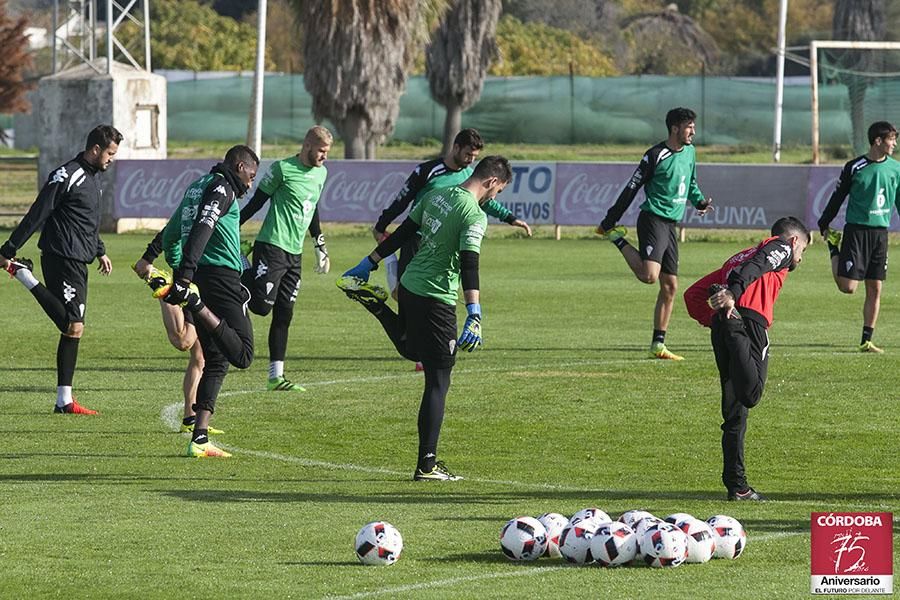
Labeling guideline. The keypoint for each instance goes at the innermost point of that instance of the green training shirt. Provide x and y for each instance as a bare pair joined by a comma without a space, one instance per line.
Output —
294,189
450,220
872,188
672,183
450,178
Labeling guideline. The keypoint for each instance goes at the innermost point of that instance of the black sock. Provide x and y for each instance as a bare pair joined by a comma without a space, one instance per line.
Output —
200,436
620,243
867,334
189,420
659,335
431,414
66,358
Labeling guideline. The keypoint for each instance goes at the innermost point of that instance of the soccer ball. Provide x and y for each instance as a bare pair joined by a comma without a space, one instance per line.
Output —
701,543
593,514
663,545
729,534
644,524
632,517
575,541
553,523
614,544
676,518
378,543
523,538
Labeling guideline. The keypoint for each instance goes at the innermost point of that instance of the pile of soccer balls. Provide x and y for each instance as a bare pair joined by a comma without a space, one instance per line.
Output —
591,536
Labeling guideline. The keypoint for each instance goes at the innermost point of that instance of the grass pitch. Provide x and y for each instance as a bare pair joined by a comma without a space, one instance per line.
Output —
560,410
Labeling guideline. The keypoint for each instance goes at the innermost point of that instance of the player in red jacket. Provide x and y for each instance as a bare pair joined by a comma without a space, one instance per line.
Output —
736,303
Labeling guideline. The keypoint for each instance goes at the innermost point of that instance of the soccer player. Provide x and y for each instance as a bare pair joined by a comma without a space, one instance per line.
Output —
180,330
736,302
203,239
451,224
668,174
871,182
67,210
293,185
450,170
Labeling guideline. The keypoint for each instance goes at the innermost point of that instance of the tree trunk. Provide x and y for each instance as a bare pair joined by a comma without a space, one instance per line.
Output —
452,125
857,93
353,130
370,149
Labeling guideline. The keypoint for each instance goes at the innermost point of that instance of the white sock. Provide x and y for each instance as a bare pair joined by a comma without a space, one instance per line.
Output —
27,278
391,272
276,369
63,395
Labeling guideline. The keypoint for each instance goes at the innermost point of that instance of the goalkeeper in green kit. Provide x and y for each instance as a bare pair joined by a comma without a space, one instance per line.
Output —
451,225
667,173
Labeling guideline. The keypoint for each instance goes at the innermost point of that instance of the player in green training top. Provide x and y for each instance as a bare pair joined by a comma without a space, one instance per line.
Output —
451,224
293,185
667,173
871,182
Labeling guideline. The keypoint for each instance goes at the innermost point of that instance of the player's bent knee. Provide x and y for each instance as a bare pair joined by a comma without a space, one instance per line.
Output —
74,330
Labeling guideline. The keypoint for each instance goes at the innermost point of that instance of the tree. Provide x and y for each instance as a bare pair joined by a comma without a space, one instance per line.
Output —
858,20
14,59
357,53
669,43
458,57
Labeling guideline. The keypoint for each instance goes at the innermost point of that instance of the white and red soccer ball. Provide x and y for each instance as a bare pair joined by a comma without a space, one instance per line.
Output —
575,541
378,543
523,538
614,544
729,536
554,524
593,514
701,543
663,545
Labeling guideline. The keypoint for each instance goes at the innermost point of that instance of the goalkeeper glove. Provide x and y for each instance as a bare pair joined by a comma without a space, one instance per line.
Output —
362,270
471,335
178,293
323,265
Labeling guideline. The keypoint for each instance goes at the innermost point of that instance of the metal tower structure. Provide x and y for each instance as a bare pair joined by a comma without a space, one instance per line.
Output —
76,32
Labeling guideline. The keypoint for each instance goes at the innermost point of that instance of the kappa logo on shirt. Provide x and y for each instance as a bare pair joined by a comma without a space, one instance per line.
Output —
220,189
60,175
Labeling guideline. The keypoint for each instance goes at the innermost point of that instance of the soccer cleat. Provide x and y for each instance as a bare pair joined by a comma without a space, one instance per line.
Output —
833,238
419,367
363,292
437,473
73,408
17,264
868,346
207,450
659,350
748,494
209,430
613,234
280,384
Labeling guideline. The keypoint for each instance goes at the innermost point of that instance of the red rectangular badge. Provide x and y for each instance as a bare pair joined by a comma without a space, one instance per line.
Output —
852,553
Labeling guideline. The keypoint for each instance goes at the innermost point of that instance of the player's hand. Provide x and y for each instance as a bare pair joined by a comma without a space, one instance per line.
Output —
246,248
4,262
523,225
105,266
323,265
471,335
142,268
603,228
723,300
362,270
380,236
705,206
178,293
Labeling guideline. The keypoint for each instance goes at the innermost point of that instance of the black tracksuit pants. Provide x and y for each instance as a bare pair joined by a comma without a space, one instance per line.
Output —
741,347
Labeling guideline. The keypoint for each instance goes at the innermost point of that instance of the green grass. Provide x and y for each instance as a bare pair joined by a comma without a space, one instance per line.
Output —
561,410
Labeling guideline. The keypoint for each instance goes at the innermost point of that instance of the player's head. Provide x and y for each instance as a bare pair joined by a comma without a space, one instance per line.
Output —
243,161
681,123
316,146
792,230
492,173
101,146
467,145
883,135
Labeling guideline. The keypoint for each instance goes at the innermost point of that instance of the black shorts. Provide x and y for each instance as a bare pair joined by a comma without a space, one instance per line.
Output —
430,329
274,277
658,241
864,253
67,280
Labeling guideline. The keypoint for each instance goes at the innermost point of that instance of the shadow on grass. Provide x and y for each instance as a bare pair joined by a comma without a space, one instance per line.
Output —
479,557
322,563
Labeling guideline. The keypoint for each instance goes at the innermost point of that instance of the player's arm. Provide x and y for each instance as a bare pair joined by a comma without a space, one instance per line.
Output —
34,219
212,205
494,209
104,263
696,196
323,263
841,190
469,250
773,256
414,184
154,249
641,176
388,246
258,200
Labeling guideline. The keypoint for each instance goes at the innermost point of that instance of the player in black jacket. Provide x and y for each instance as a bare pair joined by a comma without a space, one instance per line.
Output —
67,211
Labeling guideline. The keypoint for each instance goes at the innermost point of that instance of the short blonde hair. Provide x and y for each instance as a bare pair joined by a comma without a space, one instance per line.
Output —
317,133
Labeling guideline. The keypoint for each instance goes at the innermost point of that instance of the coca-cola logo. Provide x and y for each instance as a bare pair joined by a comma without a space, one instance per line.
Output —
583,194
822,194
360,192
151,193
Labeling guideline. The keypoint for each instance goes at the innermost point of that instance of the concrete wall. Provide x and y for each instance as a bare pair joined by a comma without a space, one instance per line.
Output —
71,103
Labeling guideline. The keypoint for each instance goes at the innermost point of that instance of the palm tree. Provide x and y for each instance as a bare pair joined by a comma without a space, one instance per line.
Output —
458,57
858,20
356,54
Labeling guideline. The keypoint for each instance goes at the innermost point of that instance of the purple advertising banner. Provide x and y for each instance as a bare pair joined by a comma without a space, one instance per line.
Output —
585,191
